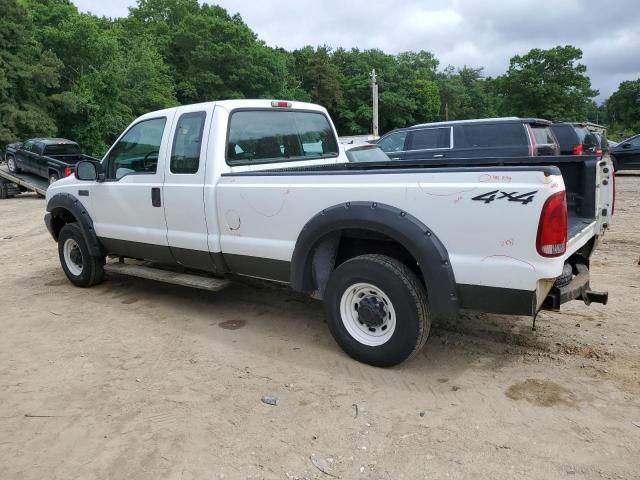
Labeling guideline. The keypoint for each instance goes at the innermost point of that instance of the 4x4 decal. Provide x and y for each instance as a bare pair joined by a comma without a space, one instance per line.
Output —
523,198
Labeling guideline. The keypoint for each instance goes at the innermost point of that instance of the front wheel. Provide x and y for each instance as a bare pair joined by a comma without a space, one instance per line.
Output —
82,269
53,178
377,310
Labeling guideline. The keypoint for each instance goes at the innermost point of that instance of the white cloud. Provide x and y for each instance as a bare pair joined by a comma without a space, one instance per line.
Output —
459,32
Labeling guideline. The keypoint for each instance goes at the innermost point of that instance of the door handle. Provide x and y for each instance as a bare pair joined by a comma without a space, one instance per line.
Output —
440,155
155,197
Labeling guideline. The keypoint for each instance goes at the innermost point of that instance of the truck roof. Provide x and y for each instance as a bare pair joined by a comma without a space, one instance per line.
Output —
539,121
53,141
241,103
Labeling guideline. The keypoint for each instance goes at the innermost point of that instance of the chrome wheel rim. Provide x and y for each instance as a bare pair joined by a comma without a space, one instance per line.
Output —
52,179
367,314
11,163
72,256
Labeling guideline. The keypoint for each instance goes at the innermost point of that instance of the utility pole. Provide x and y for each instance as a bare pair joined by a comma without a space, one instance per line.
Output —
374,90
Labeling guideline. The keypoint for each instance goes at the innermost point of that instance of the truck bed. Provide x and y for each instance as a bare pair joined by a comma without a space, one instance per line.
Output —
579,174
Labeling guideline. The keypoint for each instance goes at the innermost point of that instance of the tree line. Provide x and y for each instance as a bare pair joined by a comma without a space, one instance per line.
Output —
86,78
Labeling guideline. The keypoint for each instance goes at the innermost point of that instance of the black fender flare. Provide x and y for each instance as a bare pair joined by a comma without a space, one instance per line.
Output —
70,203
397,224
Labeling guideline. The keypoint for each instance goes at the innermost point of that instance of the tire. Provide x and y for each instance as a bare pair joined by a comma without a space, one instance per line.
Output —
4,189
12,165
566,276
53,177
397,320
83,270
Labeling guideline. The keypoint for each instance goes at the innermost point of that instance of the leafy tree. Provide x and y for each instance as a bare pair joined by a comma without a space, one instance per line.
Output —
133,81
623,107
29,78
546,83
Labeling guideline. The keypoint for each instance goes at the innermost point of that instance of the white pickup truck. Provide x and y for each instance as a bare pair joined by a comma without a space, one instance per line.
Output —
200,194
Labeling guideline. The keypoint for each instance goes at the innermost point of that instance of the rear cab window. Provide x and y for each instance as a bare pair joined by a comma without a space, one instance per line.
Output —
271,136
62,149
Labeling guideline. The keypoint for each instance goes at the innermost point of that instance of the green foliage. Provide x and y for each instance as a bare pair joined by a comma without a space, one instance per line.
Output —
76,75
29,77
622,110
546,84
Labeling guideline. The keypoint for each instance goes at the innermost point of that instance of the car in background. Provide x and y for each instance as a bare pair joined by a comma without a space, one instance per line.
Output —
50,158
489,137
626,155
611,144
576,139
364,152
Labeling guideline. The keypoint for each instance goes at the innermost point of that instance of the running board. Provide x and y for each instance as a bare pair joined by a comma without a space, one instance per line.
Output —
184,279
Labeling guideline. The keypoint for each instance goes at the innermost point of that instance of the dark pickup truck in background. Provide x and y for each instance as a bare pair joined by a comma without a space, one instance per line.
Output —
51,158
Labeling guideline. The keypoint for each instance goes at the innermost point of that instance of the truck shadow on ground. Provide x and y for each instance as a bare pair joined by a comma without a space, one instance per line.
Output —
274,322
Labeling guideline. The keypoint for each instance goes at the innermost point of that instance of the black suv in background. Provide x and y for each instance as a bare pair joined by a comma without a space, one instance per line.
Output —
576,139
491,137
626,154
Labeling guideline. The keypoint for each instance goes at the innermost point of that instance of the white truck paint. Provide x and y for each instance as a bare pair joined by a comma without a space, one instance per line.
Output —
250,218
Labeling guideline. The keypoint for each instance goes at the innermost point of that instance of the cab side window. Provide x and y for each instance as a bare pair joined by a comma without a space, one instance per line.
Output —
393,142
187,142
27,146
137,151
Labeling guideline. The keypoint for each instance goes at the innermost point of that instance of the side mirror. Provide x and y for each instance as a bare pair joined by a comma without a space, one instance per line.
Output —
89,171
626,145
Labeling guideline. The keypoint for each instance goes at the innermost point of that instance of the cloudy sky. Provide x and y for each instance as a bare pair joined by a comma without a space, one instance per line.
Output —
460,32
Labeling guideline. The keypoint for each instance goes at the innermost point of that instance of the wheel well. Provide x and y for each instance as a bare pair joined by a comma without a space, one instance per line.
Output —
337,247
53,170
59,218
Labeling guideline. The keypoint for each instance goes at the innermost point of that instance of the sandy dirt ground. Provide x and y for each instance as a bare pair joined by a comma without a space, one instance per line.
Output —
138,380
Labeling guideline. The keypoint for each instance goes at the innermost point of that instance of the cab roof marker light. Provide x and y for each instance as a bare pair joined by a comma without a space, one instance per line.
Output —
280,104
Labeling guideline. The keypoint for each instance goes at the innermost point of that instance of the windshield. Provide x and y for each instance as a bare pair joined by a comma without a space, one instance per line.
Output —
367,153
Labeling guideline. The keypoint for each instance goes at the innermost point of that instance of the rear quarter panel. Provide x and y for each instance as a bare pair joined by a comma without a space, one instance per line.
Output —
489,234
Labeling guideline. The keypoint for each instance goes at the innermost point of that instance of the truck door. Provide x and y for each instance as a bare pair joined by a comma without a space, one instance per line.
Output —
127,207
184,182
40,164
23,156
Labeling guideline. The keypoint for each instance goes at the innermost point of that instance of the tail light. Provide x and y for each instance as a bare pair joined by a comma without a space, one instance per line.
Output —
552,229
67,171
578,149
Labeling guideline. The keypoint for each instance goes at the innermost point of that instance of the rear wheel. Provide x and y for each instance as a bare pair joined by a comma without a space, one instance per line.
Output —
53,177
12,165
82,269
377,310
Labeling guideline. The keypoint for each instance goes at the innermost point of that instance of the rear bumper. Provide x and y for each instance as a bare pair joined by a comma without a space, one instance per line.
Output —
507,301
577,289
